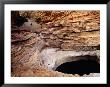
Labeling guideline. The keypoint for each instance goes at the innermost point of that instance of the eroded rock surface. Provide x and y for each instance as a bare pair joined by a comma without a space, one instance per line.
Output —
49,36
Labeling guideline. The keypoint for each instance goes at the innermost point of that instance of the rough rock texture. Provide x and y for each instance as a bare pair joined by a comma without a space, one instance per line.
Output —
70,30
52,35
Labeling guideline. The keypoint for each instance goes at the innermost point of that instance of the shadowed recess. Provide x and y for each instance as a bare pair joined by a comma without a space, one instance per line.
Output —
80,67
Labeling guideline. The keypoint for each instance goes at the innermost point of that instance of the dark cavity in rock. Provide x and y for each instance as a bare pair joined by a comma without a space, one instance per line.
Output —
80,67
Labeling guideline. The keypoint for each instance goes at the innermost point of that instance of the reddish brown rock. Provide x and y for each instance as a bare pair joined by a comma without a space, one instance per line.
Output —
77,31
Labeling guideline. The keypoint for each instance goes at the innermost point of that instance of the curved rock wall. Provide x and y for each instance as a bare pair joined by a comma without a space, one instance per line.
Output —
52,35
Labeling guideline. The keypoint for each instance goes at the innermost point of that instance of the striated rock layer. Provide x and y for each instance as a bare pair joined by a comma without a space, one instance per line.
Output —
72,30
49,36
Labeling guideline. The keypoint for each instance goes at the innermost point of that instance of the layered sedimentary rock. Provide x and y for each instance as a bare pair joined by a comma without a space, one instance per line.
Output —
52,35
72,30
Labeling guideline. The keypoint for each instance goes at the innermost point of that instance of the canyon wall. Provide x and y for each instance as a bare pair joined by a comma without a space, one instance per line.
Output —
77,31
